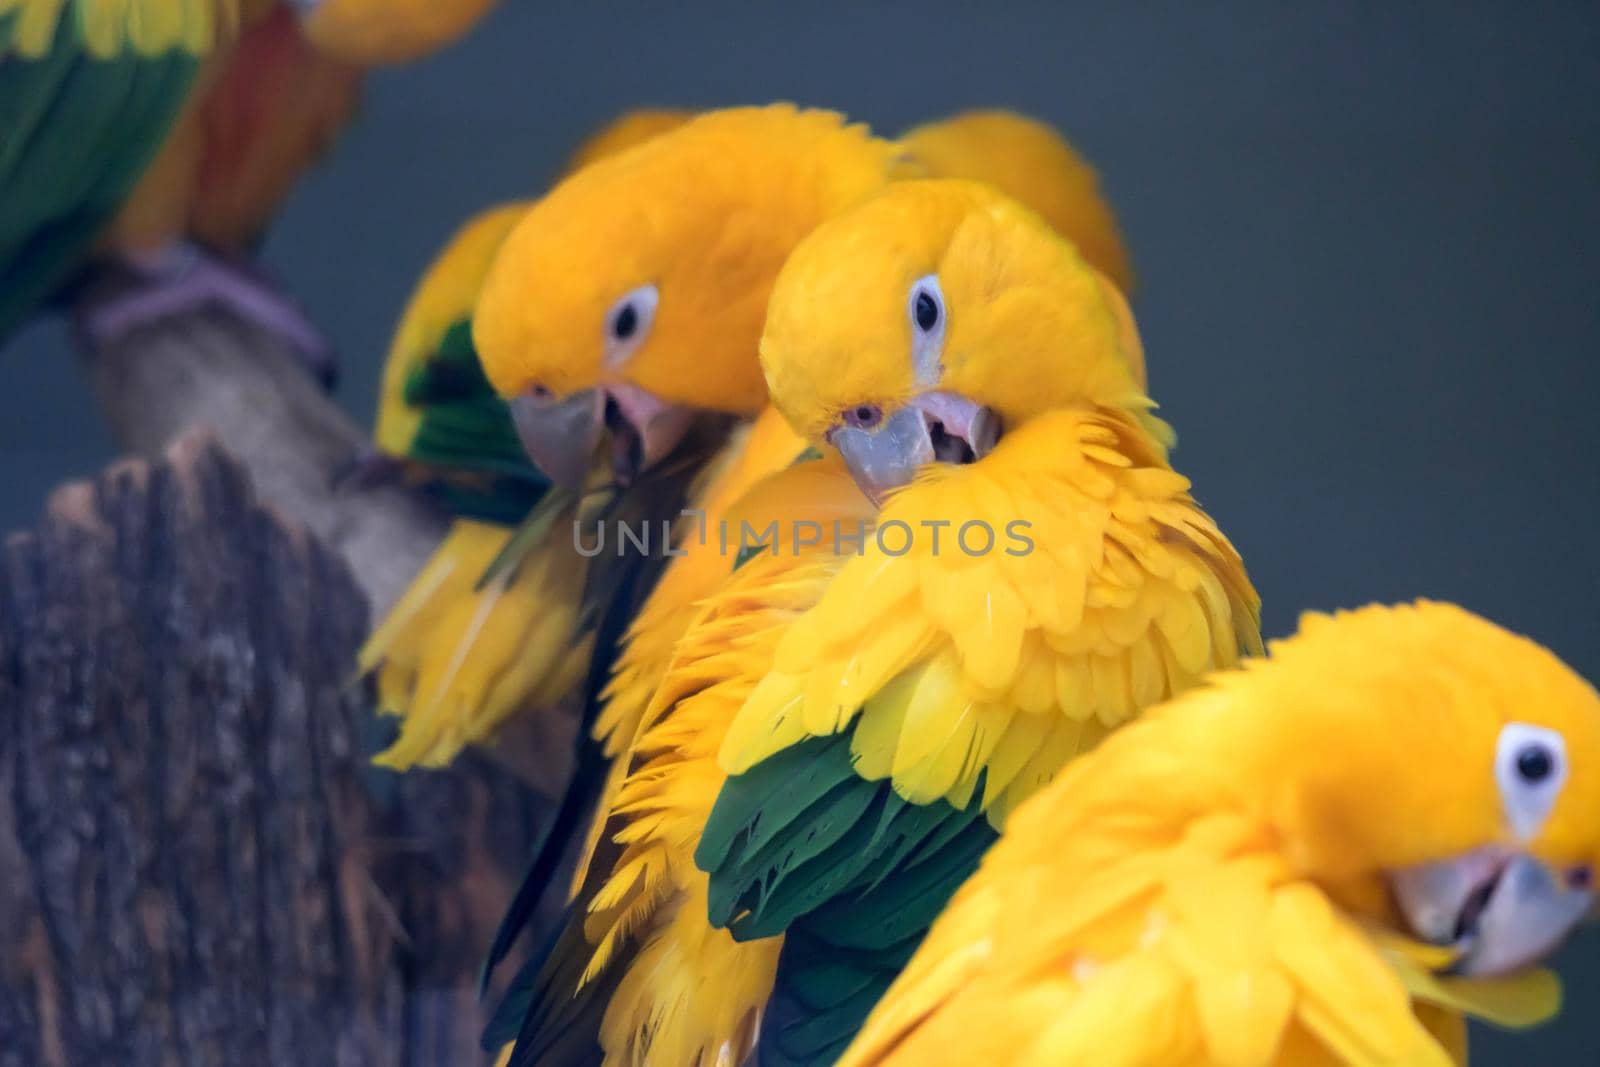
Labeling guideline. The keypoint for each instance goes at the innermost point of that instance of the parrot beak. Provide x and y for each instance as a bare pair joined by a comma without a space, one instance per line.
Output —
1500,910
561,436
932,427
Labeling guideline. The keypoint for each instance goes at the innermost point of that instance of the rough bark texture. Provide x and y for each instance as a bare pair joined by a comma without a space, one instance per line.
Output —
198,866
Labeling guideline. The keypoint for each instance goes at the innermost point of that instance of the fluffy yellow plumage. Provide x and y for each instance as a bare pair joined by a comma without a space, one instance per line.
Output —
689,994
952,665
999,665
1215,885
455,660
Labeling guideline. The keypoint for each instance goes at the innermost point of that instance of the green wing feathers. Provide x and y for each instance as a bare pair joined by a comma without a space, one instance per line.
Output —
465,433
850,873
88,93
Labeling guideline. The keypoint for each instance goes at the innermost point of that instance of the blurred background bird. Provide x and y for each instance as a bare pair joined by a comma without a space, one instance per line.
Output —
164,134
1328,857
848,836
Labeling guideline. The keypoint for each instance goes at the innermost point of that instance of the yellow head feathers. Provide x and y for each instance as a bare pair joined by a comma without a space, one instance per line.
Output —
1397,731
654,266
949,286
1027,160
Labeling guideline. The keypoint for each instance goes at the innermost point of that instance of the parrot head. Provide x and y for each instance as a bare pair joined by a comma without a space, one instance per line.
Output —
923,324
375,32
1452,777
631,297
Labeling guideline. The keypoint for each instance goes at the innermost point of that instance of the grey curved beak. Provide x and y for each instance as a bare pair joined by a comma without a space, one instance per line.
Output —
1502,911
930,428
561,437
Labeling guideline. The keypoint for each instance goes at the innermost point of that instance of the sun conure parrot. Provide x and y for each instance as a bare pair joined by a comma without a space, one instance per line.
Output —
604,372
1324,858
165,133
877,711
1031,157
456,656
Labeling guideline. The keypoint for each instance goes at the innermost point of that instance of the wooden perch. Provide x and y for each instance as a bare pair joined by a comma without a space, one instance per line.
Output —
207,368
198,865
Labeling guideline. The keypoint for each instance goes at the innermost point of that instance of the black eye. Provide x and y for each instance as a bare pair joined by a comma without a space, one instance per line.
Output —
866,416
926,311
1534,764
625,323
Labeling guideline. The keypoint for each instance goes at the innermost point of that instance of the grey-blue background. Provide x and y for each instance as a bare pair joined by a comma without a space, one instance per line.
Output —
1367,239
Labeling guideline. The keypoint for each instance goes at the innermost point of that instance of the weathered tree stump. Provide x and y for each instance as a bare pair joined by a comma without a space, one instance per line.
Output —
199,866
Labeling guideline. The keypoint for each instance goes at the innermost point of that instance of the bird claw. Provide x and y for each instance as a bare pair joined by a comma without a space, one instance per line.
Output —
183,278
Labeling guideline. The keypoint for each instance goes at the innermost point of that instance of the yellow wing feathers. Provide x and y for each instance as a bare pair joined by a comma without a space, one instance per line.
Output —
1201,949
1103,589
1216,885
687,987
456,661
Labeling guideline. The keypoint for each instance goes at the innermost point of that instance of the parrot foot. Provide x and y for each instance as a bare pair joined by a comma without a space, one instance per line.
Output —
184,278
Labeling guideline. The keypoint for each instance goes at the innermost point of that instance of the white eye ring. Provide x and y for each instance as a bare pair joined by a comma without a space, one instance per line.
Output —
1530,767
926,310
628,324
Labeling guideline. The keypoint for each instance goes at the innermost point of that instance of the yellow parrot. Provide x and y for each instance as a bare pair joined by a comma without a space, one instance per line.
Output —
1324,858
457,655
880,702
165,133
604,374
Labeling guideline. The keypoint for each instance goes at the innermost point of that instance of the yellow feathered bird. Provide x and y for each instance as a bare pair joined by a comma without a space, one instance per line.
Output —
457,655
1323,858
880,712
165,133
609,316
